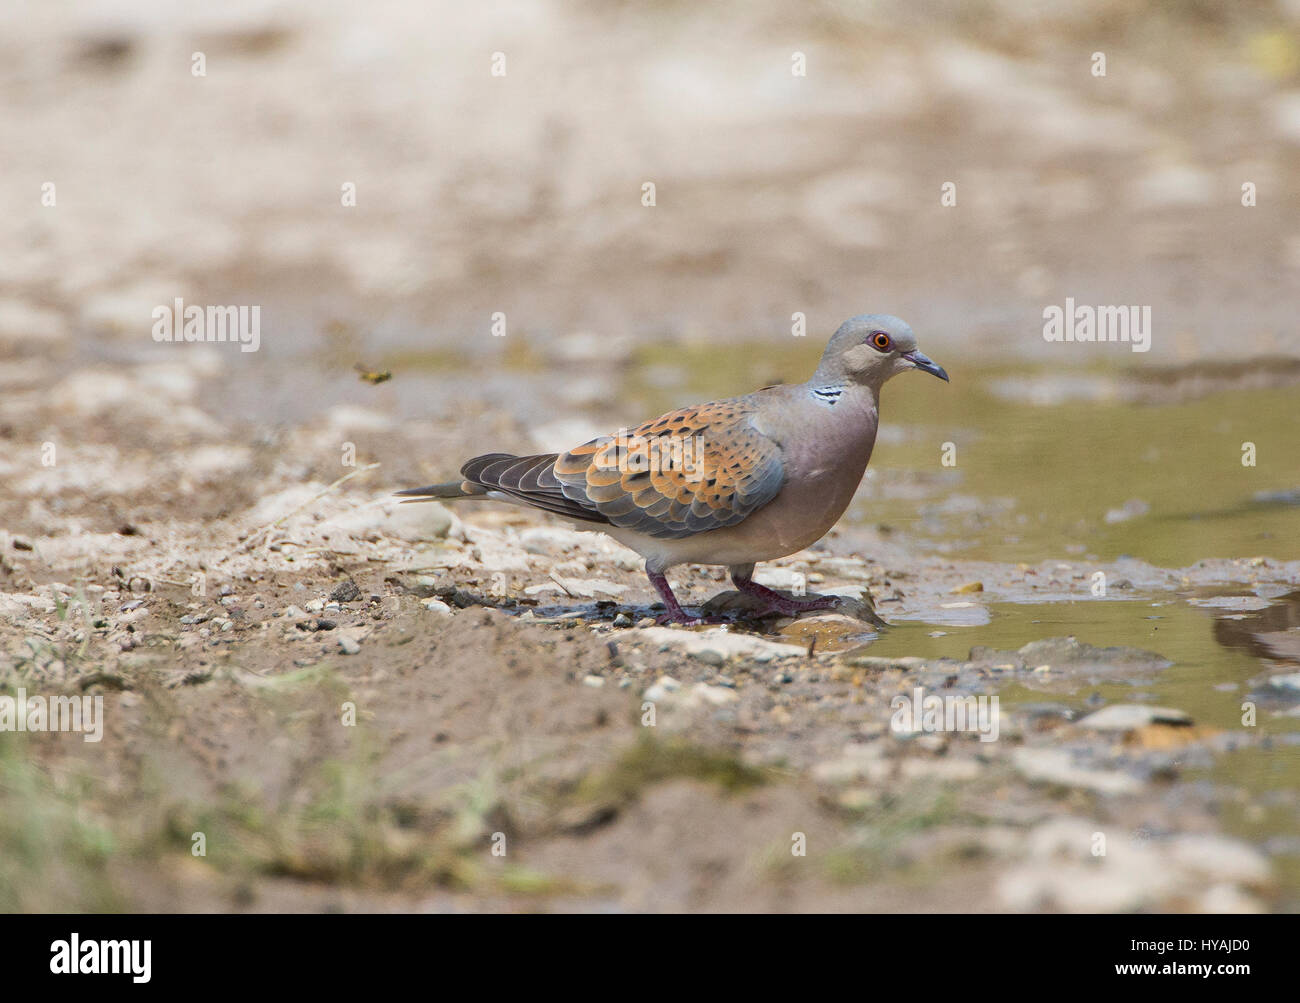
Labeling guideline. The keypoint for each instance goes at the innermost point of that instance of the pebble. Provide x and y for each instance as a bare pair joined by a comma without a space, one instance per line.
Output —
1057,766
595,682
722,644
1129,717
345,591
439,607
348,645
662,689
717,696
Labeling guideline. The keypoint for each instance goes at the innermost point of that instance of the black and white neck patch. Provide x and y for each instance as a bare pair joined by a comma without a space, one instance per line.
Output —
830,396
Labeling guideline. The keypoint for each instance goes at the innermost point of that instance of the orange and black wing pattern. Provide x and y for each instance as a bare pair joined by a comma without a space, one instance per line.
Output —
690,471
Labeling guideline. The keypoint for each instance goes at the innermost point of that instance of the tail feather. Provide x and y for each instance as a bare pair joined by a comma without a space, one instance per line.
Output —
526,480
451,489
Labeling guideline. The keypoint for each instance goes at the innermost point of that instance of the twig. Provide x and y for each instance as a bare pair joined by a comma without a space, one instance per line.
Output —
315,498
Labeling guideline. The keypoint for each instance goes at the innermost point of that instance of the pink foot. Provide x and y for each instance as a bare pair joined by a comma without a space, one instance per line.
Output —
785,605
675,612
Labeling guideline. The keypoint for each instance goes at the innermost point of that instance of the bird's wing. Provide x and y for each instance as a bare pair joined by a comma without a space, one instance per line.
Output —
693,470
531,480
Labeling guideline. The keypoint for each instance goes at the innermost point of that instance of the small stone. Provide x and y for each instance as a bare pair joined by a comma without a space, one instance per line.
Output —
1057,766
663,689
622,620
595,682
720,642
968,588
717,696
437,606
348,645
345,591
1128,717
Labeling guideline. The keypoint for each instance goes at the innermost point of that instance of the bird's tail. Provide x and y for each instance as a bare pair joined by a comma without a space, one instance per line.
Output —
441,492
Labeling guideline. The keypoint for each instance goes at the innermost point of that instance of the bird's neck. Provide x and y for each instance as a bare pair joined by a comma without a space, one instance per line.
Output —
851,409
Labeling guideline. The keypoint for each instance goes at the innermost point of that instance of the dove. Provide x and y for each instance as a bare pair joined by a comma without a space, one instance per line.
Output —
732,482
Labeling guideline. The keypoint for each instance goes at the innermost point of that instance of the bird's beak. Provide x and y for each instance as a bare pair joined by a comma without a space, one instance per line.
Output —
926,365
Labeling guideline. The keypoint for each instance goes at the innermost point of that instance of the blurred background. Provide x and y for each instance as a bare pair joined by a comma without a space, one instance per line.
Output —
521,194
775,193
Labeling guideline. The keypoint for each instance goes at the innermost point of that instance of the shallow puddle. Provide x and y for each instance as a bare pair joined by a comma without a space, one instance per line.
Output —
1208,680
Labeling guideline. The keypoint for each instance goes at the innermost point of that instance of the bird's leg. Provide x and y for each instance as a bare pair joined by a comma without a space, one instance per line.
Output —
777,603
675,612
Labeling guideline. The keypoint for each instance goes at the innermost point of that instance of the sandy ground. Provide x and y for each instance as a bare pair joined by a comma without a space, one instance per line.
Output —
499,678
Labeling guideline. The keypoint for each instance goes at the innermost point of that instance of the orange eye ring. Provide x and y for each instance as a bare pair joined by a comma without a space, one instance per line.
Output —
881,341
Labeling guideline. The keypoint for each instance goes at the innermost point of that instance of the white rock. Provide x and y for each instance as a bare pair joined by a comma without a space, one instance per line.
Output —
1057,766
437,606
662,689
1128,716
387,517
717,696
548,540
585,588
726,644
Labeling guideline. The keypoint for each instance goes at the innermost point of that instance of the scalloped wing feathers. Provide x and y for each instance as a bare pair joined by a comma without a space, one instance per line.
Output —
690,471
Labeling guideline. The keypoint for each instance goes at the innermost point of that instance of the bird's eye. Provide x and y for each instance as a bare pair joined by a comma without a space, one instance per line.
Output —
882,341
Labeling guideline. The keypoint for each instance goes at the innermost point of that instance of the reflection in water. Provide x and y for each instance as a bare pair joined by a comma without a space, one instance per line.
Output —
1272,633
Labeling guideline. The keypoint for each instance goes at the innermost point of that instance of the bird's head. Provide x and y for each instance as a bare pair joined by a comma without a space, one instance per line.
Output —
872,348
